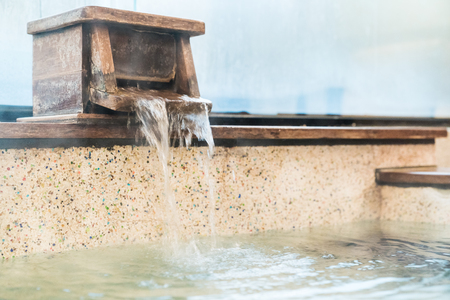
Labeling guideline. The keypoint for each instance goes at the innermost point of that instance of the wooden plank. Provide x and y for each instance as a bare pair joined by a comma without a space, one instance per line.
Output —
66,131
115,16
185,78
103,77
280,132
427,175
33,130
124,100
83,118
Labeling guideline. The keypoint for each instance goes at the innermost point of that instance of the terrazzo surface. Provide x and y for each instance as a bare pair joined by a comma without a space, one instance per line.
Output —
442,151
59,199
419,204
415,204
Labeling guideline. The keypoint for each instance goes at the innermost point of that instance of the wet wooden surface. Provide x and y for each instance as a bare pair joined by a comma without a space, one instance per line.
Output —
115,16
68,131
125,99
427,175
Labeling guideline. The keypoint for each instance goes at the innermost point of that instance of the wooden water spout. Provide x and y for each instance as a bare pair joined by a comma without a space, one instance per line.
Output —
100,61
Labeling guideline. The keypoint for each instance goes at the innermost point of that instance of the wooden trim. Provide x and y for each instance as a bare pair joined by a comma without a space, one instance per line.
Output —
285,132
68,131
426,175
82,118
144,21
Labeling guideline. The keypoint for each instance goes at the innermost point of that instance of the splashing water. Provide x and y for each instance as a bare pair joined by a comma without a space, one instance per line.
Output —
159,125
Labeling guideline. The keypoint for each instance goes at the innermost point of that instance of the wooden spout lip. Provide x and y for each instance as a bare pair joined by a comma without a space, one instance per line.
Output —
124,100
92,14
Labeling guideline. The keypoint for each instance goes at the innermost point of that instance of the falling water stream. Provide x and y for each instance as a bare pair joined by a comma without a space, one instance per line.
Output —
159,125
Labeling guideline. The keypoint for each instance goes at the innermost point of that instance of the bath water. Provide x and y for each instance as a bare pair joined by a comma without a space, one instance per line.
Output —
369,260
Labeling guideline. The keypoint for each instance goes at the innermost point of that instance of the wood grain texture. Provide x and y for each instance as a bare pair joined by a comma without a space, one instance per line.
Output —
65,131
427,175
32,130
57,53
125,99
279,132
186,78
90,14
103,76
58,95
58,72
83,118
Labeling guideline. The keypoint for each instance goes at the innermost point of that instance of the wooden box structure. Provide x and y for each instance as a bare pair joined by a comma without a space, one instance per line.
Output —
93,62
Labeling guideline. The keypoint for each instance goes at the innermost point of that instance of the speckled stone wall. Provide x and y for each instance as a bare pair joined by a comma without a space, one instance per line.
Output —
419,204
443,151
60,199
416,204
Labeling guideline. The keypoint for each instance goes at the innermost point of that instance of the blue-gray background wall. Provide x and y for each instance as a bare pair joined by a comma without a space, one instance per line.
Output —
352,57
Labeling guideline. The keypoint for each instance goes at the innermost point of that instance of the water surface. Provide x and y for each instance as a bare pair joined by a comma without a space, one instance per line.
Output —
370,260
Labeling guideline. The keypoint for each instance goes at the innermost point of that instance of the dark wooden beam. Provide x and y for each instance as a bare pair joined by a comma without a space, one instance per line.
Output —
68,131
